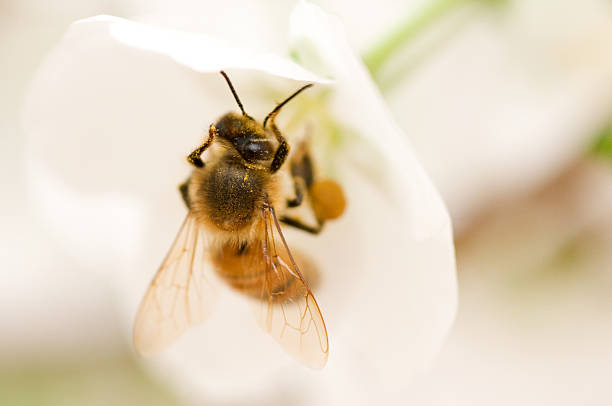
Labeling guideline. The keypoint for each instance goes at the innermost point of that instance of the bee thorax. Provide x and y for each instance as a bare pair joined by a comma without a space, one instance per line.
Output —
228,195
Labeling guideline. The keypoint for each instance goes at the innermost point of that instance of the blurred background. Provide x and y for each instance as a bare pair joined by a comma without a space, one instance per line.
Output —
508,105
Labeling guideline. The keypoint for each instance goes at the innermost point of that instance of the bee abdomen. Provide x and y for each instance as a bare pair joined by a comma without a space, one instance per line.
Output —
249,273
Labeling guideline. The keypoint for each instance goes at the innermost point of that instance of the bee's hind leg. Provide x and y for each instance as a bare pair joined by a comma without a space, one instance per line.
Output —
300,191
301,226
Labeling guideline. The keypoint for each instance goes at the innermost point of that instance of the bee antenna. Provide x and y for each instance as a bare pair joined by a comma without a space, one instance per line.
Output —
280,105
229,83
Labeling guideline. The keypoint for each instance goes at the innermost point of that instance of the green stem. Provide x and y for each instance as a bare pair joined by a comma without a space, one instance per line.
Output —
407,31
603,143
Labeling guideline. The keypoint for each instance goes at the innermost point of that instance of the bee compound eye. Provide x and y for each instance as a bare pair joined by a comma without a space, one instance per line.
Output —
254,150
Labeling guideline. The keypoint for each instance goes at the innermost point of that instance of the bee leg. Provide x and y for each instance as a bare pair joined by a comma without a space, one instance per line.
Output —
283,148
301,166
300,187
184,189
301,226
194,157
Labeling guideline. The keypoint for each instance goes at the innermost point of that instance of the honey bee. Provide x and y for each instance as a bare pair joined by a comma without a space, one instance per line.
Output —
232,232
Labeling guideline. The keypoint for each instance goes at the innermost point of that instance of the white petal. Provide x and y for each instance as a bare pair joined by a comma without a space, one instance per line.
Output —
402,308
361,107
197,51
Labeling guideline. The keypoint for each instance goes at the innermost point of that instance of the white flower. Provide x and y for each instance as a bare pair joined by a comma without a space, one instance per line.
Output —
112,114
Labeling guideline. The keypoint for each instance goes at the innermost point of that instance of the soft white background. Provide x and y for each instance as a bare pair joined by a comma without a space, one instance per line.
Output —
522,336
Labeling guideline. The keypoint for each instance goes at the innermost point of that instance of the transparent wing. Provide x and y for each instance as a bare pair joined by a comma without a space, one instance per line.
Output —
179,296
286,308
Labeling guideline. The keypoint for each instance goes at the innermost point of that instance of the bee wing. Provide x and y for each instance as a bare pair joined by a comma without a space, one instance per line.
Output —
286,308
180,294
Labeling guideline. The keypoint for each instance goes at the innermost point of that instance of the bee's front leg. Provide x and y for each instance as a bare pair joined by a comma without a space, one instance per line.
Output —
194,157
283,148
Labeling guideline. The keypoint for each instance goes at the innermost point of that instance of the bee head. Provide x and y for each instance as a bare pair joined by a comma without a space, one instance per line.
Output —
247,136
